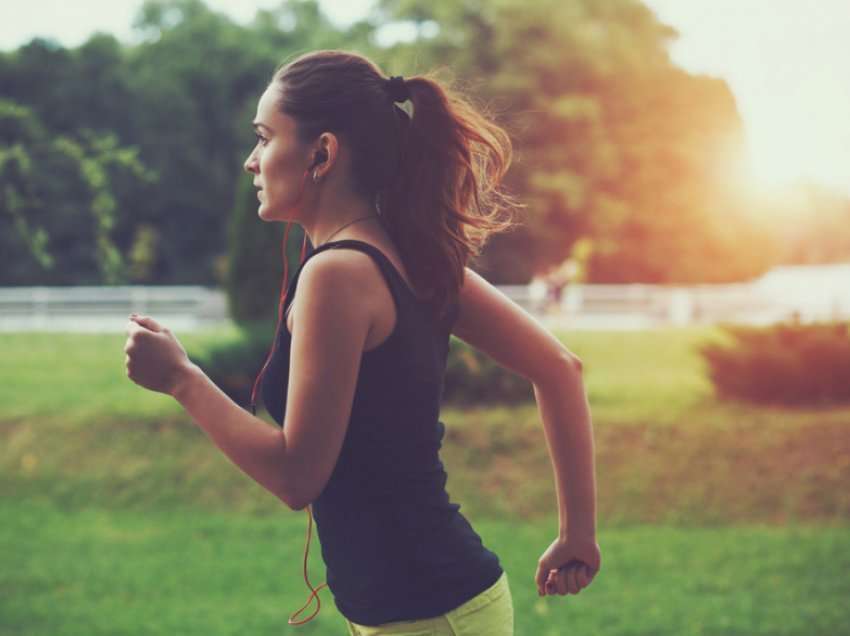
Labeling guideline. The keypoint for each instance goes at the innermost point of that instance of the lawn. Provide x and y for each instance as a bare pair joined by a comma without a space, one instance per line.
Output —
121,517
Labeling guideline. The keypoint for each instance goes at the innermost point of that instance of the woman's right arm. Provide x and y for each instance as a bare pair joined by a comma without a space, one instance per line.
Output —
562,401
494,324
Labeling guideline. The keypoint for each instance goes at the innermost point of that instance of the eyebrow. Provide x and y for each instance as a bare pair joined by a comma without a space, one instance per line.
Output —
257,124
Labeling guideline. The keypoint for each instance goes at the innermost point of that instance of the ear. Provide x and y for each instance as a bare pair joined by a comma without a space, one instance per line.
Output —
326,153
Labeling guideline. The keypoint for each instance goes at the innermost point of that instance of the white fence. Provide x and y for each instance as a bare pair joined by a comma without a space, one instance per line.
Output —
638,306
635,306
100,309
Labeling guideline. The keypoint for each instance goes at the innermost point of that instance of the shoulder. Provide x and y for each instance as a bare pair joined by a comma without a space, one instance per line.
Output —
339,280
496,325
341,269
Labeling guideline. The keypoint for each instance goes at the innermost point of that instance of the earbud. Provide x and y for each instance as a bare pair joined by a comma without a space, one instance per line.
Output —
320,157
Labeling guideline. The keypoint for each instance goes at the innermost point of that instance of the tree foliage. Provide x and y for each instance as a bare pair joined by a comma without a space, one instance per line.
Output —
58,205
124,162
616,147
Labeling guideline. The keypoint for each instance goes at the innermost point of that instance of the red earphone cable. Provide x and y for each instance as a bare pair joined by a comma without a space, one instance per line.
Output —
315,591
282,298
283,290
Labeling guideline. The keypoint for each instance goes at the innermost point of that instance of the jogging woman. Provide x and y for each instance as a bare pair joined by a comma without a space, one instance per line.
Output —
396,183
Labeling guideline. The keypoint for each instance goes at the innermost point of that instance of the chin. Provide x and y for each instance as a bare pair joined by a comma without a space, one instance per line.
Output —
269,214
263,212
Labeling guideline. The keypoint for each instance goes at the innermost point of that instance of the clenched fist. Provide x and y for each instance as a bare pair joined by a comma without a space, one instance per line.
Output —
155,358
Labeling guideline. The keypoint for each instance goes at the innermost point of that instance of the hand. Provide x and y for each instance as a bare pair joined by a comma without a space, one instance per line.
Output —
155,358
567,566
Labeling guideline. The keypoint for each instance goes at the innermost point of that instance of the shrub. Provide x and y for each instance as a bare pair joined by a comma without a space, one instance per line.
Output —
234,364
473,377
785,363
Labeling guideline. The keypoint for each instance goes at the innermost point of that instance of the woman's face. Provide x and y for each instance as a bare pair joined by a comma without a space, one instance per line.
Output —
278,161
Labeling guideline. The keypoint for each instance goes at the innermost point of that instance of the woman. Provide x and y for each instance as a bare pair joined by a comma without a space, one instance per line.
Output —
395,203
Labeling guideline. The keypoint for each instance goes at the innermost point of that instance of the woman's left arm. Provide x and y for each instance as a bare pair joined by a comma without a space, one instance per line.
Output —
157,361
257,448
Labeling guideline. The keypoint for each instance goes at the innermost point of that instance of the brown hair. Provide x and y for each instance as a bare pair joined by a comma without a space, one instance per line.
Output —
435,175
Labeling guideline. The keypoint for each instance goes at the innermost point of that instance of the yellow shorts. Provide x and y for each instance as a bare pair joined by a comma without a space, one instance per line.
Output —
491,613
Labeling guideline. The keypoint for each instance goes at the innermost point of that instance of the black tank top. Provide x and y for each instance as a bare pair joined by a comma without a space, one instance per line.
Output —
394,546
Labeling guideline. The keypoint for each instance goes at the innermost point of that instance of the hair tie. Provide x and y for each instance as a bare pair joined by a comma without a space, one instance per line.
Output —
397,89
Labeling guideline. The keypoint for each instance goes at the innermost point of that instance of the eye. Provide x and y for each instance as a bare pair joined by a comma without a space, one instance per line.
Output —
260,139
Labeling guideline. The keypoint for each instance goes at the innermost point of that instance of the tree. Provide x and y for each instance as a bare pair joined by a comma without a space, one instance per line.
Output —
614,145
57,207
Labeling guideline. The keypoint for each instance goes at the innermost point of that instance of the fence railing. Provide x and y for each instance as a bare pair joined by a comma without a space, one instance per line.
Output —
580,306
106,308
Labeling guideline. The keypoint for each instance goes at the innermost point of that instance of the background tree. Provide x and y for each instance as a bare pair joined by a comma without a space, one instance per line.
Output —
57,204
129,157
616,147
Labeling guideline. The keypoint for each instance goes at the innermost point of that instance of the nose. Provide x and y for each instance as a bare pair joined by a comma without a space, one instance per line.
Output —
250,164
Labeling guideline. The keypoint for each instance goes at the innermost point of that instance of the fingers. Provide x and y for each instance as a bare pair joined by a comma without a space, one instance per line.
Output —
561,586
147,322
546,580
583,576
571,583
568,580
577,578
551,586
552,582
540,578
582,579
138,325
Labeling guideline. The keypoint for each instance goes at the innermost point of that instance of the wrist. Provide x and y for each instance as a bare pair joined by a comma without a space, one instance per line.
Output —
577,532
187,377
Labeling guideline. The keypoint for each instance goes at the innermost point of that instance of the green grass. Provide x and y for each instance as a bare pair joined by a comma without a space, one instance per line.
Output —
100,571
121,517
80,376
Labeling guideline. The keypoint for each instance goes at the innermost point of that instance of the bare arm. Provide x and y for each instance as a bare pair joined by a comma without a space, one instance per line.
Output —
157,361
497,326
494,324
332,321
254,446
564,409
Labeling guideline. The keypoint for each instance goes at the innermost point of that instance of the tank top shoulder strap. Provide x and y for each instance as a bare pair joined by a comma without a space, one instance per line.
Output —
396,282
401,290
363,246
293,279
398,286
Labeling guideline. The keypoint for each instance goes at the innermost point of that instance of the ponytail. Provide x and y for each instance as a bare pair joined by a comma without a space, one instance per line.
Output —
445,201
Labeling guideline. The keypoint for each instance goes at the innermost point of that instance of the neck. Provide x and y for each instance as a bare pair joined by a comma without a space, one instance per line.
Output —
337,221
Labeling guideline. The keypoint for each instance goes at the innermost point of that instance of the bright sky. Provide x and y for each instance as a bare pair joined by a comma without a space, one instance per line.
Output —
783,59
786,63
